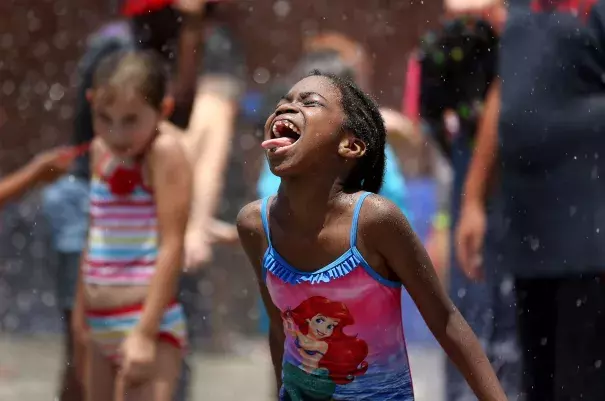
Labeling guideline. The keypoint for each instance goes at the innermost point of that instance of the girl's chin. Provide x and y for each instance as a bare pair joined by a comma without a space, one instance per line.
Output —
279,167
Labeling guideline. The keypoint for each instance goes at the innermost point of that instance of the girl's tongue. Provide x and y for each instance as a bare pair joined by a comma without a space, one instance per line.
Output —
277,142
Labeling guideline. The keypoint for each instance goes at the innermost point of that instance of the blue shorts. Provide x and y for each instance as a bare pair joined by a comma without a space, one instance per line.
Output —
65,204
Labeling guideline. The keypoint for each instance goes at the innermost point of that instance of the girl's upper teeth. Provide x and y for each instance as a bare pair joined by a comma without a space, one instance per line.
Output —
287,124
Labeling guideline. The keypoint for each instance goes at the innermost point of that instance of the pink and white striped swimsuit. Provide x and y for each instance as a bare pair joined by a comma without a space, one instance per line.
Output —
123,236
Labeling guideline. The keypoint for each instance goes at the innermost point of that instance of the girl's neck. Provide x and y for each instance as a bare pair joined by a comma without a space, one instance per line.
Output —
307,203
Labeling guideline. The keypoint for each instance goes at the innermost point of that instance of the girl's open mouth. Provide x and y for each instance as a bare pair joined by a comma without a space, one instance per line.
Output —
284,135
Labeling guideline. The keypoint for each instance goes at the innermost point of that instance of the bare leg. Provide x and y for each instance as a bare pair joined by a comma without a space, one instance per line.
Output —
71,388
100,375
162,386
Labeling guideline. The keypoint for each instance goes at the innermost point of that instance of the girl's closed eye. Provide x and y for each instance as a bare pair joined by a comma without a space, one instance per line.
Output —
130,120
104,118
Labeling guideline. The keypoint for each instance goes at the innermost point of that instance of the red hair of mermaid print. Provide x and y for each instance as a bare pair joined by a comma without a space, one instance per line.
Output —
324,321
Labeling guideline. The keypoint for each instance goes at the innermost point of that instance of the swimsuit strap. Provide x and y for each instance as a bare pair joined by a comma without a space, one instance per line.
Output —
356,218
265,218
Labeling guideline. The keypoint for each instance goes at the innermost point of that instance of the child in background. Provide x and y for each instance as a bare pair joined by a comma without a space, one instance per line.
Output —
139,205
331,257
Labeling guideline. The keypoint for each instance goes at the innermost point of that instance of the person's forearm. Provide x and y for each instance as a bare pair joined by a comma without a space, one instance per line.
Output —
18,182
462,347
481,168
163,287
210,160
276,345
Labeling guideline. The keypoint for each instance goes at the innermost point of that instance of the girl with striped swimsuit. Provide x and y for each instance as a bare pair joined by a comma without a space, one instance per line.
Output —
140,196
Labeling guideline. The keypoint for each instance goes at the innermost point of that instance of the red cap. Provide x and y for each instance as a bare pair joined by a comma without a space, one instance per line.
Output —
132,8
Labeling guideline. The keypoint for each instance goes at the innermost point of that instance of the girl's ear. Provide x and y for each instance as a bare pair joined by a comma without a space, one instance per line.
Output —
352,147
167,106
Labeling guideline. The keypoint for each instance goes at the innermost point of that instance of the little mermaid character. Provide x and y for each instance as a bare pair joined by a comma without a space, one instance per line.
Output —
328,356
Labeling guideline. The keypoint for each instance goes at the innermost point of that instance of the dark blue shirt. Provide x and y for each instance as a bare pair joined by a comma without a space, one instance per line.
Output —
552,141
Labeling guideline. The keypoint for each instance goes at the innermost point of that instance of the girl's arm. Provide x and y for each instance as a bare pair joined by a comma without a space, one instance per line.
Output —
171,179
46,166
252,237
388,237
210,133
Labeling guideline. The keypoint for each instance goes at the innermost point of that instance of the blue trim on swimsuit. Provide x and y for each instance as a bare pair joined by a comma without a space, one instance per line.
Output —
343,265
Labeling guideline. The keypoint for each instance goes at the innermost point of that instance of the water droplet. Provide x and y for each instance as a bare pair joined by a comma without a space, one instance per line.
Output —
261,75
56,92
8,87
281,8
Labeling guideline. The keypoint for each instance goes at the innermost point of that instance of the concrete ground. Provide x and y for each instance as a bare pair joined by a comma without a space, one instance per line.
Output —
29,368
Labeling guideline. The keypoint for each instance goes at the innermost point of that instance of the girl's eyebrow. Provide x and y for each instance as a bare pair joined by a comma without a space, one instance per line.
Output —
288,97
303,95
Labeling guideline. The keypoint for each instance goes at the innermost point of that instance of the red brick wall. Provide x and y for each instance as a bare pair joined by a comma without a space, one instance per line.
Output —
388,28
41,41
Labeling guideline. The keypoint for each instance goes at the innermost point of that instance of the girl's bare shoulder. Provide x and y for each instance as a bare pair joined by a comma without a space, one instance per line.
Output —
380,217
251,233
167,143
249,220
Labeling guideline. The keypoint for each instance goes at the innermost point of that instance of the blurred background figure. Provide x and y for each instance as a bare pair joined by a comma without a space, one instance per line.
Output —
457,66
542,150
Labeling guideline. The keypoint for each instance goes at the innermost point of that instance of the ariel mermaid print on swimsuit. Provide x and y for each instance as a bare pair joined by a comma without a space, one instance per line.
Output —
326,355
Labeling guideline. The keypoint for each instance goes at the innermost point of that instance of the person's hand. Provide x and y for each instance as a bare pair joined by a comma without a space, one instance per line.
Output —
221,232
190,7
399,127
138,353
197,250
52,164
470,234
